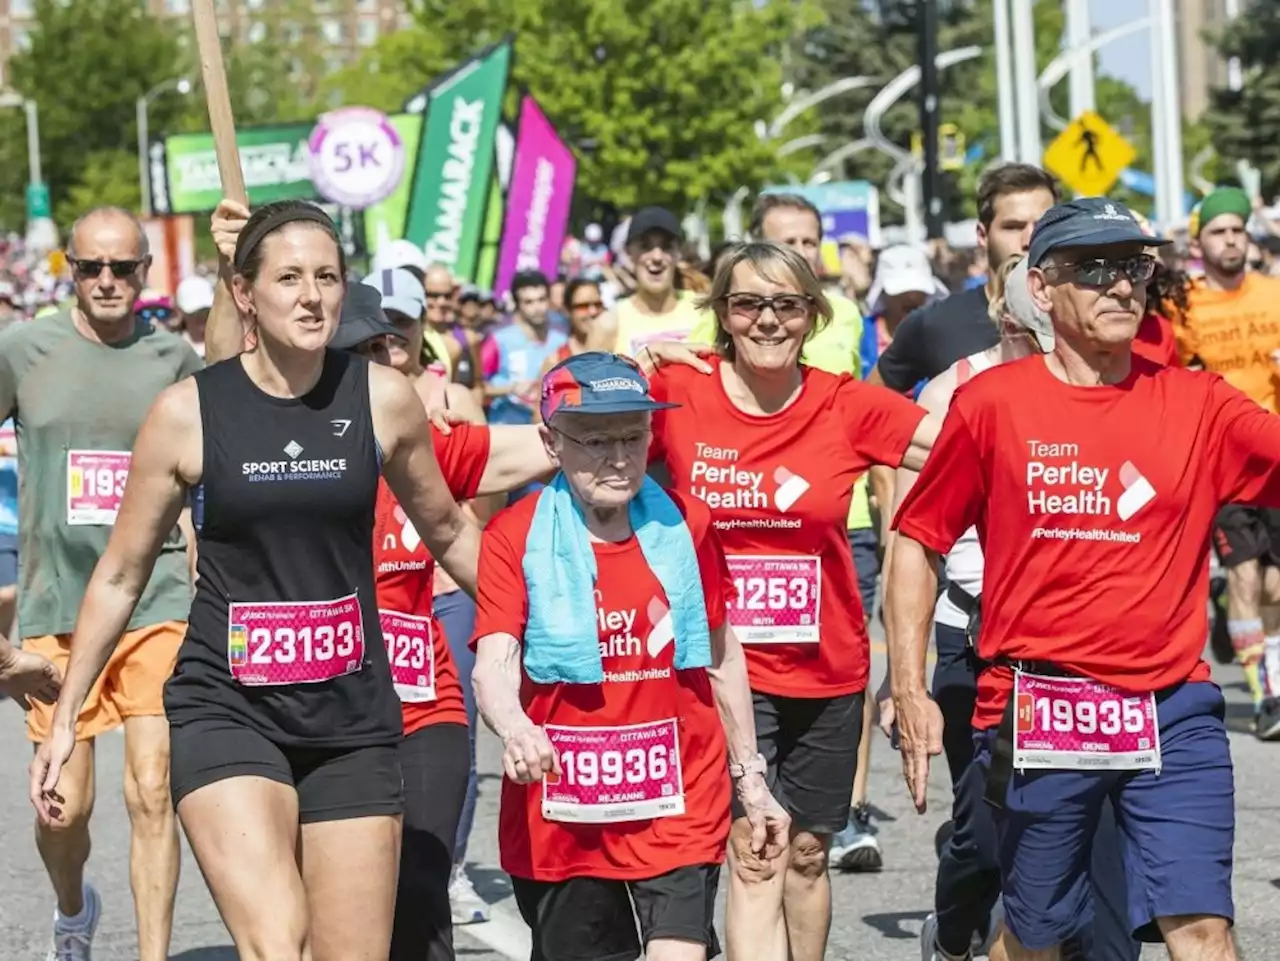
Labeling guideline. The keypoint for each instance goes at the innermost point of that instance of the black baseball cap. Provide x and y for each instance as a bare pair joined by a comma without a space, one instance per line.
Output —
653,218
362,319
1086,222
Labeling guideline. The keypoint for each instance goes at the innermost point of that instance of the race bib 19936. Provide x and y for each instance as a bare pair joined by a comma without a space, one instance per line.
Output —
612,774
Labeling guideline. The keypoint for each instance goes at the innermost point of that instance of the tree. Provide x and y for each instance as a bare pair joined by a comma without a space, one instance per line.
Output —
1245,123
660,98
107,177
88,62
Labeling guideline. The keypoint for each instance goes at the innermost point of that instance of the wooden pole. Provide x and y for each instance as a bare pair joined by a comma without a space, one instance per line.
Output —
221,119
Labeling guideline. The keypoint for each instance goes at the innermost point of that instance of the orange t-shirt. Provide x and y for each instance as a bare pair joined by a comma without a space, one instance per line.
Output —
641,689
779,488
404,572
1094,527
1235,333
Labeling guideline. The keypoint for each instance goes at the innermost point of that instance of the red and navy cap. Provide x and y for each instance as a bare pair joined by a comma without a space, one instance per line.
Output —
596,383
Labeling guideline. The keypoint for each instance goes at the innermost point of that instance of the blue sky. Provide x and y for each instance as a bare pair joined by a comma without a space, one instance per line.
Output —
1128,58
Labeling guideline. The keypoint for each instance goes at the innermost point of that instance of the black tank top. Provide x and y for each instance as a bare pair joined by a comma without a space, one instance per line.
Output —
289,488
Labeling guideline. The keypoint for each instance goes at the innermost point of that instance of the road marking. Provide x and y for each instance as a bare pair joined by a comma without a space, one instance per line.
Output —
503,932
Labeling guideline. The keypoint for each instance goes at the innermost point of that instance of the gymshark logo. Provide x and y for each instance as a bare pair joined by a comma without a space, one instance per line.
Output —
293,449
340,427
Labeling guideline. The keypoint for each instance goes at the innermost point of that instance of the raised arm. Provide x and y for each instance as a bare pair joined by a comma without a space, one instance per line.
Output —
224,333
166,460
410,467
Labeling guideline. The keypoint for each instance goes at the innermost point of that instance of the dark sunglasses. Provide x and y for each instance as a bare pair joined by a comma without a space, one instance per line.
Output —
1103,272
88,269
785,306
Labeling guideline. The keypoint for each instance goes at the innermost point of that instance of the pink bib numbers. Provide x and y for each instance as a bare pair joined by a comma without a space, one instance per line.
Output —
95,485
270,644
1078,724
778,598
614,773
412,655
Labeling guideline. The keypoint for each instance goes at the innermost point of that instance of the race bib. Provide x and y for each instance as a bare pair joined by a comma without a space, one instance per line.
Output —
95,485
778,598
1078,724
271,644
613,774
412,655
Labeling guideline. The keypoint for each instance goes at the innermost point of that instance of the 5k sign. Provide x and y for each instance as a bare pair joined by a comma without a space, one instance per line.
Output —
357,157
455,161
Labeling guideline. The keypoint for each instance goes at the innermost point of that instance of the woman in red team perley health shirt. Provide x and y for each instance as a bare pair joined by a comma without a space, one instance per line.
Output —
1093,478
774,448
616,800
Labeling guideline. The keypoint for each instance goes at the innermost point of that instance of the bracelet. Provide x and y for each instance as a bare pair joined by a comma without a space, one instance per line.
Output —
755,765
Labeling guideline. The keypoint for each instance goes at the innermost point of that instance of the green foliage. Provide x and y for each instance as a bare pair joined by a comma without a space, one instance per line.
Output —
106,177
1245,124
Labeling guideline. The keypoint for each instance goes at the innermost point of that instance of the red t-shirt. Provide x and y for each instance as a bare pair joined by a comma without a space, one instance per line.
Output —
1093,507
779,488
640,686
404,572
1155,340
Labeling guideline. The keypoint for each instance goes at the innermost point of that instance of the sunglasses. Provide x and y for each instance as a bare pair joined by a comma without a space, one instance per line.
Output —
155,315
1103,272
588,305
89,269
785,306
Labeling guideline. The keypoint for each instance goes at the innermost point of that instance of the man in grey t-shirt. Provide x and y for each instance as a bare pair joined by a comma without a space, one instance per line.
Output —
78,385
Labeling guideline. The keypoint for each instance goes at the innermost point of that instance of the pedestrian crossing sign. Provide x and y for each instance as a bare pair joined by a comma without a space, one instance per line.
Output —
1089,155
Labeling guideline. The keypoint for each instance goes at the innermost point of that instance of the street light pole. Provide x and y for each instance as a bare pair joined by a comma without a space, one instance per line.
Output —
1004,83
927,10
1024,55
1078,34
183,86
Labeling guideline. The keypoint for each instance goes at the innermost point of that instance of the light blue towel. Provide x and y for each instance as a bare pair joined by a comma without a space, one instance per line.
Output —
561,642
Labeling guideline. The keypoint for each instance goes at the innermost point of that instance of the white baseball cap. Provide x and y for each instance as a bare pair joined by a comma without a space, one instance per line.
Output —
593,233
901,269
1019,305
399,253
401,291
194,294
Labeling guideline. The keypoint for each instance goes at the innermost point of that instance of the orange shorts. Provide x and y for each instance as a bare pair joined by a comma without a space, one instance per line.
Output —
131,685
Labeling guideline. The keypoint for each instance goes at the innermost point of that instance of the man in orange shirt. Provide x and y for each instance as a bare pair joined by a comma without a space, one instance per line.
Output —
1232,327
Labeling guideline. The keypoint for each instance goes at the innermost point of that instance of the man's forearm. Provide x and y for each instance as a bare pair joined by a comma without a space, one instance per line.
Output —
910,593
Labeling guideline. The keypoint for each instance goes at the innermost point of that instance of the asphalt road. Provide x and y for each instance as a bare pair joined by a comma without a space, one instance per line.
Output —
876,917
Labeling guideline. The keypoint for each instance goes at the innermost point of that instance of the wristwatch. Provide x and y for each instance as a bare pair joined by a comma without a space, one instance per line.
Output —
755,765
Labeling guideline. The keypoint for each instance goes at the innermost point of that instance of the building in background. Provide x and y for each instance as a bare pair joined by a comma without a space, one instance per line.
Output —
1200,67
344,25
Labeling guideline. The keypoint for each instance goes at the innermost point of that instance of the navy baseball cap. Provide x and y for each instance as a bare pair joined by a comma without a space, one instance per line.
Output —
362,319
596,383
1086,222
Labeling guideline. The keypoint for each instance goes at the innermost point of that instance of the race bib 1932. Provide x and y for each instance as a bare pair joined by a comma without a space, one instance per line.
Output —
1078,724
412,655
612,774
95,485
778,598
277,643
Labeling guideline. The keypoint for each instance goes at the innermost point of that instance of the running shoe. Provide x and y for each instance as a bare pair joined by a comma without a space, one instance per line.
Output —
466,906
982,944
856,848
1267,722
73,937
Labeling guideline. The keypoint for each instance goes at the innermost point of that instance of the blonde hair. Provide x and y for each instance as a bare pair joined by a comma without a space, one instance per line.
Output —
777,264
998,306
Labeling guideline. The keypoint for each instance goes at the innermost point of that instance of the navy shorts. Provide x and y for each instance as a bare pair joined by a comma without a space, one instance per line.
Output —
1177,829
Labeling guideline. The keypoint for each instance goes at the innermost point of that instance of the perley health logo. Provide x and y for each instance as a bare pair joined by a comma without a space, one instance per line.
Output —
1060,483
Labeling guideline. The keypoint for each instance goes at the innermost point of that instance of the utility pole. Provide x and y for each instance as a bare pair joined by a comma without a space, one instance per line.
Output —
927,29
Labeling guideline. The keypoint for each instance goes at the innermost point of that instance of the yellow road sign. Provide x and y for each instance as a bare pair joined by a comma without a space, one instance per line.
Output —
951,147
1089,155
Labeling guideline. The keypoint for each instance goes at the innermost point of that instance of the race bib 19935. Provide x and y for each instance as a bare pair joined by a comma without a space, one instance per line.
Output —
1078,724
95,485
612,774
778,598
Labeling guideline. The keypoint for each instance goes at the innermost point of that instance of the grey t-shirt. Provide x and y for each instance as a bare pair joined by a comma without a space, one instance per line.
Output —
78,406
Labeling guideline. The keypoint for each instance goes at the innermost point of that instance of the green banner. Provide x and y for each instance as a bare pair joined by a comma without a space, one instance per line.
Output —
274,161
385,221
452,176
492,237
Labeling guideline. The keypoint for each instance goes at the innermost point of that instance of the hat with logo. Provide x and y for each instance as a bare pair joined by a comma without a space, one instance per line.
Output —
399,253
362,319
596,383
901,269
653,218
1086,222
1019,305
401,291
194,294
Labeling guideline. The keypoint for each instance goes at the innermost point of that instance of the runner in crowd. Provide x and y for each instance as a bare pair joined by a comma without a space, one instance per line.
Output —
1011,198
617,719
523,346
73,456
656,310
739,441
1113,521
585,305
1232,327
153,307
284,721
193,299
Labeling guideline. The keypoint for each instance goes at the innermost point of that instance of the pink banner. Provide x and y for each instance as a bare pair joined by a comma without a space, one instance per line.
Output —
538,202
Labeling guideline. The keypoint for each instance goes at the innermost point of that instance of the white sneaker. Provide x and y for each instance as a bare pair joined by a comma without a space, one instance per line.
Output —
73,937
466,906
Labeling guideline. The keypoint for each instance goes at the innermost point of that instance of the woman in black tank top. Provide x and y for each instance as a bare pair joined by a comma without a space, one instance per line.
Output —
283,720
